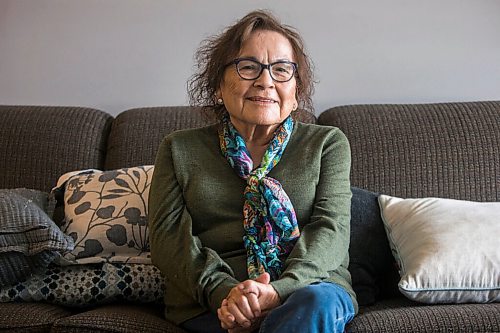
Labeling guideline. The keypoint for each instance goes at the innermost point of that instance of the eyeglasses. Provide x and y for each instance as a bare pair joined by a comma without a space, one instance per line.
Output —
250,69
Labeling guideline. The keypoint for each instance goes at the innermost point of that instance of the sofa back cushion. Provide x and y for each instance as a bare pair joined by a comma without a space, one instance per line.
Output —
136,134
40,143
448,150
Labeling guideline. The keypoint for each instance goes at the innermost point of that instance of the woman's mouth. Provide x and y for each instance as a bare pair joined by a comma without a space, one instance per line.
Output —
259,99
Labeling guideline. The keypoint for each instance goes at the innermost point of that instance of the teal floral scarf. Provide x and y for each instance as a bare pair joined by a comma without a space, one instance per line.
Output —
269,219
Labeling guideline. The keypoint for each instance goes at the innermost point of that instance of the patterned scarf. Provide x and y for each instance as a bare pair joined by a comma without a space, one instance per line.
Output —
269,219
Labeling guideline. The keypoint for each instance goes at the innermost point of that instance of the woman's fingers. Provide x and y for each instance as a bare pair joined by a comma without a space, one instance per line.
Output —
246,300
253,302
242,306
253,291
241,310
226,318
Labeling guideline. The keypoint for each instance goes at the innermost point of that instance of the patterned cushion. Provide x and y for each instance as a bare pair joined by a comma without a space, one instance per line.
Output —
84,285
105,214
29,239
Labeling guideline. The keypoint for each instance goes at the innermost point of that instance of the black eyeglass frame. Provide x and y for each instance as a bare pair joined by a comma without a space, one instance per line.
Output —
236,61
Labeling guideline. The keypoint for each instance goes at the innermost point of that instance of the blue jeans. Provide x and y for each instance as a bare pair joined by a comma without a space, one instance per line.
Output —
320,308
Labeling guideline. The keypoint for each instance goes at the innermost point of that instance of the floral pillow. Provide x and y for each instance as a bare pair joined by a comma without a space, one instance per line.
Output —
105,212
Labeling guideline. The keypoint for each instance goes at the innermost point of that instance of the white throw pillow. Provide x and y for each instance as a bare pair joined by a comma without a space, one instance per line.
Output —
448,251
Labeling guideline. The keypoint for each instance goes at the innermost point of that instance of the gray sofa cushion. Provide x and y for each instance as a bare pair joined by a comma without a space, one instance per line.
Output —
117,318
403,315
136,134
43,142
29,317
29,239
16,267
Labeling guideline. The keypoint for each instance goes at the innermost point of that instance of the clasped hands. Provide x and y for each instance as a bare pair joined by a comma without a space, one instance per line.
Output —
247,304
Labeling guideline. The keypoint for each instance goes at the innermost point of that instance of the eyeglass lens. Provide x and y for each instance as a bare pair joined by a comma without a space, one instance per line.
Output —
251,70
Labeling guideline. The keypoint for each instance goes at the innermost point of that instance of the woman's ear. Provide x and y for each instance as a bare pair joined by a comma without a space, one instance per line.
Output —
296,103
218,97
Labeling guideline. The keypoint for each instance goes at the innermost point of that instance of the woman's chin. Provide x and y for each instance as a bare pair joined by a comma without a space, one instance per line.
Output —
265,120
265,116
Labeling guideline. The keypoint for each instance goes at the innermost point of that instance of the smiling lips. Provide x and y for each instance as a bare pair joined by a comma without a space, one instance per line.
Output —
261,99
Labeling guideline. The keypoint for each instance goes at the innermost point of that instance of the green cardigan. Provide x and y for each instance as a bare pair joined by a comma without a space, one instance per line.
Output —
196,216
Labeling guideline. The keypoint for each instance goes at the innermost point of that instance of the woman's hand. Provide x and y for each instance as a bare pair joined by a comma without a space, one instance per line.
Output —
267,296
233,326
238,310
247,304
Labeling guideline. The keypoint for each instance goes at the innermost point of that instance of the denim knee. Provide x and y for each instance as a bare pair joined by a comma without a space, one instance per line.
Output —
310,296
321,307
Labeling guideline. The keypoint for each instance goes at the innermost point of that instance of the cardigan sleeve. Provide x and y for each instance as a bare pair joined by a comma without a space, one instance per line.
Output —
324,240
190,267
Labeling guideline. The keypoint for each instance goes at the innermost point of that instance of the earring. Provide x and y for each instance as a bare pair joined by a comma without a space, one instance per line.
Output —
294,107
220,101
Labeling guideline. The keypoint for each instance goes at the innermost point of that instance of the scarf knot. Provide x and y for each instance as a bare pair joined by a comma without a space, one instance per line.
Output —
269,220
253,181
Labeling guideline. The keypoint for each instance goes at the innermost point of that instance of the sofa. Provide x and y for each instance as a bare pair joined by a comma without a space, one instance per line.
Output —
444,150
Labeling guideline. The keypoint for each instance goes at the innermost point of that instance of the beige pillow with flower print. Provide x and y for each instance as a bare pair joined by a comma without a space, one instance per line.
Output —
105,212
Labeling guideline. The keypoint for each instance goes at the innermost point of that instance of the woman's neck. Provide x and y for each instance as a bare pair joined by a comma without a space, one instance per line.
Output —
257,138
259,135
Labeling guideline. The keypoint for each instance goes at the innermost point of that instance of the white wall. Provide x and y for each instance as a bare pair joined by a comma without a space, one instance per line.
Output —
118,54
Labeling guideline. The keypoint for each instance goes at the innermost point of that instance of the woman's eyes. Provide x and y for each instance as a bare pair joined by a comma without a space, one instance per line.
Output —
282,68
249,67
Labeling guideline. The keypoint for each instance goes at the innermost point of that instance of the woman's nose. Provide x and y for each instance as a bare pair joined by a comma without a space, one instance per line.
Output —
264,80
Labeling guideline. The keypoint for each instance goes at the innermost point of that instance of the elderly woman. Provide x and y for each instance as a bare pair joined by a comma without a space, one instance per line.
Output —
249,218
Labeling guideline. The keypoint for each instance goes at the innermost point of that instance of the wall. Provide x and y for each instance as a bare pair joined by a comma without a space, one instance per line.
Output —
119,54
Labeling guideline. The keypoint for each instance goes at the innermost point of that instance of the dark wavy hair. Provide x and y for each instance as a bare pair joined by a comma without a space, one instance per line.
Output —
216,52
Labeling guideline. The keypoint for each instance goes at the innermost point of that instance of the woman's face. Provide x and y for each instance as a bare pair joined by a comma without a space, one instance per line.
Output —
261,101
